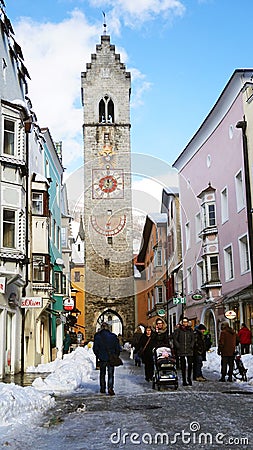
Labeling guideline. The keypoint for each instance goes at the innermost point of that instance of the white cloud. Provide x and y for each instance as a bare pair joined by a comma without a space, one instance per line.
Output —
55,55
136,12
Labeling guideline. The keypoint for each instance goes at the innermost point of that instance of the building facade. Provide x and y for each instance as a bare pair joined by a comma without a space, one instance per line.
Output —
151,263
109,286
14,185
215,223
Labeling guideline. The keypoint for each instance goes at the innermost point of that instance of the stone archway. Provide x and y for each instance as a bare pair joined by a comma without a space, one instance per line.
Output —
113,319
208,318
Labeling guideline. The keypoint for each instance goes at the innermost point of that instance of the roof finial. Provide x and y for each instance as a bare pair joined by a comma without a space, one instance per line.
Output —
104,24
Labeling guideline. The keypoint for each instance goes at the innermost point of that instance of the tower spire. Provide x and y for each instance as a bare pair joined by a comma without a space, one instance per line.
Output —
104,24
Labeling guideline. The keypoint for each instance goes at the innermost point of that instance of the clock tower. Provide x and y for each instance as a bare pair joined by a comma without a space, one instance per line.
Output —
109,281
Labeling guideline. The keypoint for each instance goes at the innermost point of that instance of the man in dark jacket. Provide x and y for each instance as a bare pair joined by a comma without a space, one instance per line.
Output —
199,352
183,338
226,348
106,344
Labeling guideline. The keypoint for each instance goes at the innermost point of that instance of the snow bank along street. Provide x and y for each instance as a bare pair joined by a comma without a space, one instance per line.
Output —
69,395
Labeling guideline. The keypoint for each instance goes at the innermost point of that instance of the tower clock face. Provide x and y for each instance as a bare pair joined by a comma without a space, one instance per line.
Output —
108,183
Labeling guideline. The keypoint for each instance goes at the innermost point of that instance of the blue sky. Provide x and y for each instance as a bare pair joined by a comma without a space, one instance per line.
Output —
180,53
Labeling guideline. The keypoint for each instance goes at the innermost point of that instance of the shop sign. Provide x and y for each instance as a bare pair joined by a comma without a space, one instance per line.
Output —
31,302
161,312
230,314
197,296
68,304
2,285
179,300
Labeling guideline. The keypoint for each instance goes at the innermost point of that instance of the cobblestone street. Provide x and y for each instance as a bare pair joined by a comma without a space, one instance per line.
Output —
206,415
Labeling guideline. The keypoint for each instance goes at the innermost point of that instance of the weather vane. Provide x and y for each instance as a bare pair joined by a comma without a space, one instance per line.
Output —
104,24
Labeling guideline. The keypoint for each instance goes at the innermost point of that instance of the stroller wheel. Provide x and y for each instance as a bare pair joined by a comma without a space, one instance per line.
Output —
158,387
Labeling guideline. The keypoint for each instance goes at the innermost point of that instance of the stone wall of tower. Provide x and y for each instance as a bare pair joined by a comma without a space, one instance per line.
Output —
109,281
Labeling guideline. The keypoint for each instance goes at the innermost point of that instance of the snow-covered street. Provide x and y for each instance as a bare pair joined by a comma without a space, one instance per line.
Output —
66,411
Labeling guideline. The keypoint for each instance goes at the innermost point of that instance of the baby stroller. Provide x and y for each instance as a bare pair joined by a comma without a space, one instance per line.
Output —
239,372
165,372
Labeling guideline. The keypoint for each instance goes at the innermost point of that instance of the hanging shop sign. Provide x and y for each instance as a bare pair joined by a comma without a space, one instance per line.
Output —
230,314
31,302
2,285
68,304
197,296
161,312
179,300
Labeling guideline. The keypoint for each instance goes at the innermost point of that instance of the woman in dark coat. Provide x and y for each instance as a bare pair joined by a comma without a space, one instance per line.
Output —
145,350
184,339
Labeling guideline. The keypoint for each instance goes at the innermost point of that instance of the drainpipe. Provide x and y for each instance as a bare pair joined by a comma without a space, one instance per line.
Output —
243,126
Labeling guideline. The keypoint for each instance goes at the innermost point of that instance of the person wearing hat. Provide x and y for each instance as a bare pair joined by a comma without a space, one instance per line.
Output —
226,348
106,344
199,352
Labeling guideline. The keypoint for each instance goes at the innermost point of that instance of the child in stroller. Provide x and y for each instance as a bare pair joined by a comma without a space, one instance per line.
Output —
165,372
239,372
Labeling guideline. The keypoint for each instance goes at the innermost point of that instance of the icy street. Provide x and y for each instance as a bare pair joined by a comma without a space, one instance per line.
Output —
207,415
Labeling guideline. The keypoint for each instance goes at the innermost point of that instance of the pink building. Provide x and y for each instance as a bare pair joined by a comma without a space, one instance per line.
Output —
215,208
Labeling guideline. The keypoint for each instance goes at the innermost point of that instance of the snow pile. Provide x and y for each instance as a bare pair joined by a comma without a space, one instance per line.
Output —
16,401
213,364
19,403
67,374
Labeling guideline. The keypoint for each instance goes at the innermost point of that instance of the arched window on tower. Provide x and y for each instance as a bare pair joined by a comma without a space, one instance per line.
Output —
106,110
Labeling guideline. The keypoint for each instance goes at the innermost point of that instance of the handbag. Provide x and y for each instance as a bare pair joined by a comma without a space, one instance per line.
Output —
115,360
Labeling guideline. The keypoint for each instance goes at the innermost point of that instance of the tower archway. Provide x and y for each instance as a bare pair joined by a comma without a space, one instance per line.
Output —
113,319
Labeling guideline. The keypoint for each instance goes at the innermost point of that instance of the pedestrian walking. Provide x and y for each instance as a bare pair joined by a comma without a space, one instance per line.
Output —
161,335
145,350
199,352
183,338
66,342
245,337
135,345
106,344
226,348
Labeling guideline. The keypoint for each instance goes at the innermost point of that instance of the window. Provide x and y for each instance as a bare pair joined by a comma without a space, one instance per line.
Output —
40,268
239,191
64,285
58,238
8,228
37,203
77,277
197,226
244,254
158,257
58,282
159,294
9,137
214,268
187,236
189,280
200,274
228,261
224,205
209,215
64,236
106,110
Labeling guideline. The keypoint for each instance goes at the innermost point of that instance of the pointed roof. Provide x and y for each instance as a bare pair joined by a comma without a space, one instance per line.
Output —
81,229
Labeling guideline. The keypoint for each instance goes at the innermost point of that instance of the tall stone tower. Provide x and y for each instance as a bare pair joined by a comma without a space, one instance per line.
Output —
109,283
